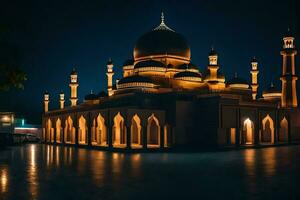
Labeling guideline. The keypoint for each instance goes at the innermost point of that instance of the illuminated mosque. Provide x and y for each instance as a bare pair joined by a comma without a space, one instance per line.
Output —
164,101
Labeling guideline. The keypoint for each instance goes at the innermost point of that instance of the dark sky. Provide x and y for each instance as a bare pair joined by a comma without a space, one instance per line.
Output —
55,36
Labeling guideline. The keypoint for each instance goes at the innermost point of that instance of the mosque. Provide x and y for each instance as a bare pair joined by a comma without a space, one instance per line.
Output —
164,101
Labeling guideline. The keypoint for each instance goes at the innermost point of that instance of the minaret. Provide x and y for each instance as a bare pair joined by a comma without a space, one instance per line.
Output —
46,102
110,74
213,64
254,82
288,77
73,86
62,100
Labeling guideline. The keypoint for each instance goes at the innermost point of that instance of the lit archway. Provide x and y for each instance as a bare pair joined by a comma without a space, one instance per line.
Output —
48,130
119,132
99,132
69,131
153,132
283,131
248,132
267,133
58,130
136,129
82,132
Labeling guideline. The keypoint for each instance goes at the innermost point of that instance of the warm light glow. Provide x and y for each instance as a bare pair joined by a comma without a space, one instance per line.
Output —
119,131
6,118
248,131
3,180
267,134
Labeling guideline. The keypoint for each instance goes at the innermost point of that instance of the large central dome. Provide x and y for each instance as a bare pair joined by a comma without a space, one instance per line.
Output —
162,41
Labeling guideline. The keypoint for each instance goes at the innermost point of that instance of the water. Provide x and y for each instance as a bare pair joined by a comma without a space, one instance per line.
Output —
53,172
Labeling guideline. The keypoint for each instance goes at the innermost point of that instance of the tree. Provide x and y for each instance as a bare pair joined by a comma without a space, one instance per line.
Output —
10,74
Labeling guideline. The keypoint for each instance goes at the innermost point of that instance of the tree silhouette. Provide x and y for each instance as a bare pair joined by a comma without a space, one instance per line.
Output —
10,74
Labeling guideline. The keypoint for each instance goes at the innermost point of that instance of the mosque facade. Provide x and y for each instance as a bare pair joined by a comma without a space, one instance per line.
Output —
163,101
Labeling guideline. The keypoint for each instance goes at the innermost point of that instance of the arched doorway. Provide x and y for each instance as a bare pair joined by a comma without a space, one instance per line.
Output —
283,131
82,132
58,130
267,133
248,132
136,129
153,132
100,132
119,132
69,131
48,130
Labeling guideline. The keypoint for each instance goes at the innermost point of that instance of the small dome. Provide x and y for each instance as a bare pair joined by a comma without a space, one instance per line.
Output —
109,62
90,97
102,94
187,74
289,33
254,60
149,63
212,52
128,62
135,79
73,72
271,89
237,82
162,41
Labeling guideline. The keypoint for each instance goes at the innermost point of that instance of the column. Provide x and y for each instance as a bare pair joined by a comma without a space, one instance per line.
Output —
62,134
144,135
109,136
54,135
128,137
289,130
89,135
162,138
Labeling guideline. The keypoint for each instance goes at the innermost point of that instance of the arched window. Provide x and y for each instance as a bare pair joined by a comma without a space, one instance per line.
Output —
100,132
69,131
136,130
119,132
58,130
283,131
48,130
267,133
82,132
153,132
248,132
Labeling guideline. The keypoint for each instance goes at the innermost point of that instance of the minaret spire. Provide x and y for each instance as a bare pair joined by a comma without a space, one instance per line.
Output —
162,17
162,25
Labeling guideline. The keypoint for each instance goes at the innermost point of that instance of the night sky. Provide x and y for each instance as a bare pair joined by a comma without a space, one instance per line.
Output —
54,37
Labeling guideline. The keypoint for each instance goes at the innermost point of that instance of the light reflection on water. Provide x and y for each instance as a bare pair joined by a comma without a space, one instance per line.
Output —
4,179
44,171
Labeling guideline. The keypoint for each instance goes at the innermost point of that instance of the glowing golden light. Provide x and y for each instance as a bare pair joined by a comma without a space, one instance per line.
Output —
4,180
32,174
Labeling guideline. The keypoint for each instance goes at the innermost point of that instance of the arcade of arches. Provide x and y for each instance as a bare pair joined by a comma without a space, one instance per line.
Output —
153,131
266,133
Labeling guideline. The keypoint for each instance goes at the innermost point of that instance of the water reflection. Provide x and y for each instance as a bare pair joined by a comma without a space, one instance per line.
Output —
90,174
4,179
269,161
32,174
250,160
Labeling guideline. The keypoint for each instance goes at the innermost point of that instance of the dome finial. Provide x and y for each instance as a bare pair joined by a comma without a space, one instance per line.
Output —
162,25
162,18
272,85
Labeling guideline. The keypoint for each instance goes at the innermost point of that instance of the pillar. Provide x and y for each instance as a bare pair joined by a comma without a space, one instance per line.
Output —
110,136
144,135
128,137
162,138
